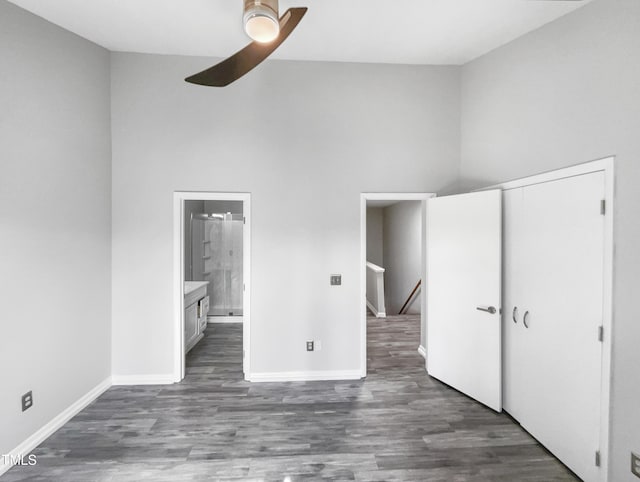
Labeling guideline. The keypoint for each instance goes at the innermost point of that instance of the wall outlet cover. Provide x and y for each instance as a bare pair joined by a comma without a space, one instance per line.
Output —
27,400
336,279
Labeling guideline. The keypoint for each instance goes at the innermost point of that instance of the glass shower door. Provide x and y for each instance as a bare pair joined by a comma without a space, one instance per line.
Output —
221,260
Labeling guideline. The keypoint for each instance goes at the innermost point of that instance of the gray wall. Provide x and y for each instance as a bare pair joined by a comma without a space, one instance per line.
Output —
217,207
402,243
564,94
374,236
55,219
190,207
305,138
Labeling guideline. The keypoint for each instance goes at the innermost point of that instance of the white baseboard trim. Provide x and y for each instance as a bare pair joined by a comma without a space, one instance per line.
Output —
422,352
376,313
58,421
305,376
224,319
143,379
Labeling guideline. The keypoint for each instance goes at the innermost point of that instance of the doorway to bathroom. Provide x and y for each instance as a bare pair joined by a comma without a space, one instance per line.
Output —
212,285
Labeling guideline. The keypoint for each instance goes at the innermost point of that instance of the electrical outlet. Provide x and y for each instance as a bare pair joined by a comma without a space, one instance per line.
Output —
635,464
318,345
309,346
27,400
336,279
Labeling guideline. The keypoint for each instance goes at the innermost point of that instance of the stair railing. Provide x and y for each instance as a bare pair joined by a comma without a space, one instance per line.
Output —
375,290
410,297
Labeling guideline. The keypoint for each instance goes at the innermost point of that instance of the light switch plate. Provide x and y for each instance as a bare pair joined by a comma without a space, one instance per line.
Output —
309,346
336,279
635,464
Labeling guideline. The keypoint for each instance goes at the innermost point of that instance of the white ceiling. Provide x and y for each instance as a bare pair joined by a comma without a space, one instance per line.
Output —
381,31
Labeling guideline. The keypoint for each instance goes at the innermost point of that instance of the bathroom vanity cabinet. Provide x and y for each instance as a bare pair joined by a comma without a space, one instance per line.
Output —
196,307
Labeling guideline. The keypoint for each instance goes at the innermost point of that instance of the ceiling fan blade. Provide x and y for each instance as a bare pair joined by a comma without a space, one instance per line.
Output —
249,57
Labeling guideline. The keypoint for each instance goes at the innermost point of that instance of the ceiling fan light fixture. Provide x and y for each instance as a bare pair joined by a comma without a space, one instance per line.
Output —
261,20
245,60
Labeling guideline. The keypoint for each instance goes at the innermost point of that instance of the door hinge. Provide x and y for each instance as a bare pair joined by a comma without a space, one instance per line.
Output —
243,354
244,287
601,333
597,458
603,207
244,220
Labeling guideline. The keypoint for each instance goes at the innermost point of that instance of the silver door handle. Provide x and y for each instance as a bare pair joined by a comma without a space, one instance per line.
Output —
524,319
490,309
514,315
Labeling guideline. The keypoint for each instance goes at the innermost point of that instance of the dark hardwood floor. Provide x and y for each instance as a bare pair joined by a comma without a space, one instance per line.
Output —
398,424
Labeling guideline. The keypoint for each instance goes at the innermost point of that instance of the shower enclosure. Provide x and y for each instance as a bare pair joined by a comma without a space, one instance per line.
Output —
216,257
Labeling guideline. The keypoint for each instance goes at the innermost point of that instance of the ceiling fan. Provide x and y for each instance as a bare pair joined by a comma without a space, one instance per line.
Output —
262,25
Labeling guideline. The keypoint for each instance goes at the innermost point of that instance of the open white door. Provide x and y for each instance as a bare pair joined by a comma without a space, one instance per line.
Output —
464,334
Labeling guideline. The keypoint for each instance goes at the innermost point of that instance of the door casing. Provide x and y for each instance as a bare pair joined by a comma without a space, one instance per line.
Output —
179,197
388,196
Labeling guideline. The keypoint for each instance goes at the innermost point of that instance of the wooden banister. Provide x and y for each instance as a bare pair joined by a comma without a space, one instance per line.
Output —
410,296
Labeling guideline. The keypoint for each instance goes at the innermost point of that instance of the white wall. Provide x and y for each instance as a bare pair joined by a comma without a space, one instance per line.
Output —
402,244
54,220
564,94
374,236
305,138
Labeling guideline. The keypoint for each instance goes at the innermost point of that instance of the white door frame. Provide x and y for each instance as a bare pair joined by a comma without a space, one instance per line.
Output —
388,196
179,198
607,166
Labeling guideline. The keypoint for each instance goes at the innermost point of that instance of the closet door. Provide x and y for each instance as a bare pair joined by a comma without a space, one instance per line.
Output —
563,303
514,346
464,333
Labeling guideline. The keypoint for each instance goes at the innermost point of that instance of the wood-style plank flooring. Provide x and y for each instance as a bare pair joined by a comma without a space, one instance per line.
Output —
398,424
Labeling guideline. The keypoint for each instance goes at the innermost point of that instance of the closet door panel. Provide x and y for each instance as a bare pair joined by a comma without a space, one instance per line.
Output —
563,295
464,262
514,384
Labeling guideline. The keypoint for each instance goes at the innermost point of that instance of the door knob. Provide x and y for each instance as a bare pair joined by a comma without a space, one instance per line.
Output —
515,314
524,319
489,309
